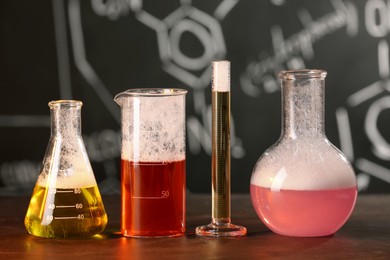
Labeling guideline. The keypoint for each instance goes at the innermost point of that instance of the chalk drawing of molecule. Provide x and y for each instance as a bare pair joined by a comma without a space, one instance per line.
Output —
380,146
169,34
376,19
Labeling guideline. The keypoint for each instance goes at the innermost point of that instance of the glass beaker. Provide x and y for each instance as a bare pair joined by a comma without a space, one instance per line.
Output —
303,185
66,201
153,162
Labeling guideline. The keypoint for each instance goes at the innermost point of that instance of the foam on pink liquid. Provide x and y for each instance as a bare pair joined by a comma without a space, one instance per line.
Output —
303,192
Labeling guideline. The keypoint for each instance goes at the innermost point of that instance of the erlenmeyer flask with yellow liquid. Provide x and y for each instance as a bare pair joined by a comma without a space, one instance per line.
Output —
66,201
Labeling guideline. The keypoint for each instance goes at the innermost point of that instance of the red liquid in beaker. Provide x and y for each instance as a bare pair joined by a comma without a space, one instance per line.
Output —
303,212
153,198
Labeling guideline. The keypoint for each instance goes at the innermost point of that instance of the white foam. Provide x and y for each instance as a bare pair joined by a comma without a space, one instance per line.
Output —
160,136
317,167
66,164
75,180
221,76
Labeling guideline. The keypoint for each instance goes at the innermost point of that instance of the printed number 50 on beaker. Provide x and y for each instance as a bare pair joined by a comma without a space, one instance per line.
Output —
153,176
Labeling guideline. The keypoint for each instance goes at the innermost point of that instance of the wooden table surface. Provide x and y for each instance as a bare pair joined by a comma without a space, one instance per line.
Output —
365,236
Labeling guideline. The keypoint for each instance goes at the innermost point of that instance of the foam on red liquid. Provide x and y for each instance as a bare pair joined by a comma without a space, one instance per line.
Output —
153,166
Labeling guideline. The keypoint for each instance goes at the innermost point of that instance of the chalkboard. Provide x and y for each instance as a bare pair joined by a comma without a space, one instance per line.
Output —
92,50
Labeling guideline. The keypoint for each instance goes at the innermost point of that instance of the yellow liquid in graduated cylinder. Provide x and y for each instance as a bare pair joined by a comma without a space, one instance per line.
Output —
61,213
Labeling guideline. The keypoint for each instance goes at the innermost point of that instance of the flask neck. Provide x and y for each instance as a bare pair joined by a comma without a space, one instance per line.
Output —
303,97
65,118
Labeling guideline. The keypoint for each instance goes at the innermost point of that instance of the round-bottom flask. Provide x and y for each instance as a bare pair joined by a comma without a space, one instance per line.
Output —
303,185
66,201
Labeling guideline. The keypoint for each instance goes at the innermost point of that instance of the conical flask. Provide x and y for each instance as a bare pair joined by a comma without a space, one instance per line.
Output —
66,201
303,185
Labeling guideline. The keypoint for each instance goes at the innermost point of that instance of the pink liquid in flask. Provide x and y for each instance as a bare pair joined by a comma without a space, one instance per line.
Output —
304,213
303,185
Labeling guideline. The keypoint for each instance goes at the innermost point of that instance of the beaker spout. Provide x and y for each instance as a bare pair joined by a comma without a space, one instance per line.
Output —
120,97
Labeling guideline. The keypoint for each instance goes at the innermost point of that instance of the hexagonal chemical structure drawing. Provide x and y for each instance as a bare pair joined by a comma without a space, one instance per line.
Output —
170,30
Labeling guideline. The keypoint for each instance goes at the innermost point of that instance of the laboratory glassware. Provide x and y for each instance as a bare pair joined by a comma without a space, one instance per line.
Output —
303,185
221,225
153,162
66,201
